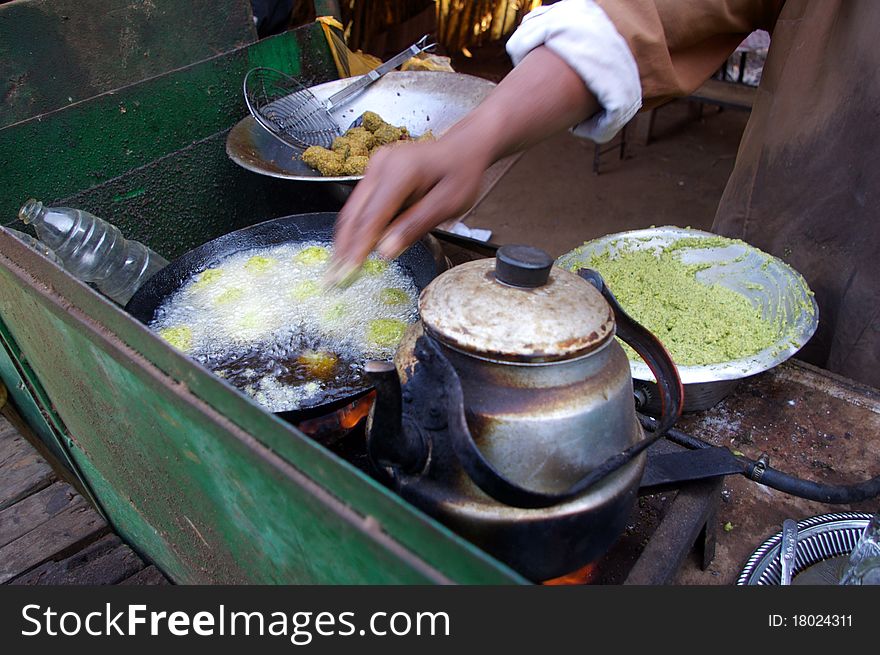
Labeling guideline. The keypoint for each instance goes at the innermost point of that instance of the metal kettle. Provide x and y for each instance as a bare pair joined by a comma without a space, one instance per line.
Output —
508,413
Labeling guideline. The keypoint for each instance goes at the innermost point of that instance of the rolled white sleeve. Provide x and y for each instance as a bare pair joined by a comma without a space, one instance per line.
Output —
581,34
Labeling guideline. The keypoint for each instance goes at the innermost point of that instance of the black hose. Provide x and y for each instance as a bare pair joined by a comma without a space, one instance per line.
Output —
824,493
758,471
682,439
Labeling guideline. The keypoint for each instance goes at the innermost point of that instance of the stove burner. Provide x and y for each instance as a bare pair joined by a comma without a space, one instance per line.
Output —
689,521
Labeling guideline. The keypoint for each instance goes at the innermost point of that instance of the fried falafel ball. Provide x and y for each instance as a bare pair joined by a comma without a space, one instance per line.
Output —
328,162
312,255
229,296
374,267
392,296
361,135
259,264
318,364
385,332
356,165
350,147
372,121
342,145
390,134
304,290
207,277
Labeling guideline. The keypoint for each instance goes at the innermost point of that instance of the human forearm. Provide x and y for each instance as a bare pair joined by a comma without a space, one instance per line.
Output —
540,97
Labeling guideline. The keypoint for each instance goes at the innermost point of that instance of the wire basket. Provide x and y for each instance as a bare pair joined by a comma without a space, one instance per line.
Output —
294,115
288,110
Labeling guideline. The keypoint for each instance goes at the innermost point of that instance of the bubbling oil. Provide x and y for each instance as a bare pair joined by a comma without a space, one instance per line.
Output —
261,320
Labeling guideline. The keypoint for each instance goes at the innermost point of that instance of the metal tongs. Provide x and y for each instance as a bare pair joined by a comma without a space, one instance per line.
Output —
294,115
339,97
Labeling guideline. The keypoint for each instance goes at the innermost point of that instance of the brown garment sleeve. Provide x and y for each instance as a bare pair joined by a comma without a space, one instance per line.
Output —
678,44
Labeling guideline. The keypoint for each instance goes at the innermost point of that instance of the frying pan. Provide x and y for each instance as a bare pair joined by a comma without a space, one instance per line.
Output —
422,262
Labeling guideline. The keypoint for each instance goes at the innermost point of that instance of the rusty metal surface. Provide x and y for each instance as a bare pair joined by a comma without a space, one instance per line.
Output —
467,309
812,424
498,504
689,522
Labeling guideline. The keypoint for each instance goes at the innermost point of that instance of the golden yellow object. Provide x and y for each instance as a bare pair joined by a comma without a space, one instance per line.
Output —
392,296
229,296
348,63
259,264
207,277
356,165
180,337
361,135
375,267
351,151
312,256
385,332
372,121
318,364
328,162
389,134
428,62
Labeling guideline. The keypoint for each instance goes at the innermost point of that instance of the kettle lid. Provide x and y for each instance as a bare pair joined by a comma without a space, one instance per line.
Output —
517,307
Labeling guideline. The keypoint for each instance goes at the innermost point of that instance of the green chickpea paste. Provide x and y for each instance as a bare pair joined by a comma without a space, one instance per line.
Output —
698,323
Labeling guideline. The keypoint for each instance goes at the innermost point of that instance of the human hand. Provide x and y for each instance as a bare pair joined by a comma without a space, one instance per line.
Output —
408,188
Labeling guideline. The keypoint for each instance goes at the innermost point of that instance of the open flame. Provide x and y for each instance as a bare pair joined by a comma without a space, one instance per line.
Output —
584,575
340,421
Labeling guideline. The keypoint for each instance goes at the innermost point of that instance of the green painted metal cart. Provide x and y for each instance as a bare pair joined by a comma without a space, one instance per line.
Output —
123,109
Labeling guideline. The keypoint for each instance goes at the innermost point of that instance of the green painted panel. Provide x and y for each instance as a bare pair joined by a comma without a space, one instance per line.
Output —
56,155
196,194
57,52
199,503
23,395
203,481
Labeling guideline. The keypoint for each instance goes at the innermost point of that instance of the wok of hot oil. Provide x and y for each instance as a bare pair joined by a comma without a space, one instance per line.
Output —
261,320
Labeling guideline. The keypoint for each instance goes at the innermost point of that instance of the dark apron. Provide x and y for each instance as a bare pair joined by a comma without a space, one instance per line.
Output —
806,186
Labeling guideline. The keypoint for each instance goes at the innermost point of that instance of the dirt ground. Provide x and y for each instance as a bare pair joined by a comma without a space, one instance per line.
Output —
552,199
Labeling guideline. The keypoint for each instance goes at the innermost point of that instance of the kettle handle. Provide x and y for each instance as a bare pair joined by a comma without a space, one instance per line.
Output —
650,349
495,484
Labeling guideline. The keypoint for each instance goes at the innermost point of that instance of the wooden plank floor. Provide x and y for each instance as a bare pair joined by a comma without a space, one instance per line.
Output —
49,533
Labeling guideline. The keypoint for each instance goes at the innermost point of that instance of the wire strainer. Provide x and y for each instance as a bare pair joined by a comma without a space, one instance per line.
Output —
294,115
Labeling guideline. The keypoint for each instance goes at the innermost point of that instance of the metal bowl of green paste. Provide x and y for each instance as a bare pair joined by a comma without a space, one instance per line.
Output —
724,309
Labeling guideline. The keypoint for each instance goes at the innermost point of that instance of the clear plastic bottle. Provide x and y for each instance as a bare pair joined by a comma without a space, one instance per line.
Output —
93,249
37,245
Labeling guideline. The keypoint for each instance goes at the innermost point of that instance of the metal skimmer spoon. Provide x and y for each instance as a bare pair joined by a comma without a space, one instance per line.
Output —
294,115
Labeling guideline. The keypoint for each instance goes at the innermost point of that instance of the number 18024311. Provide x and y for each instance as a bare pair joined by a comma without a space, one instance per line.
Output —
810,621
